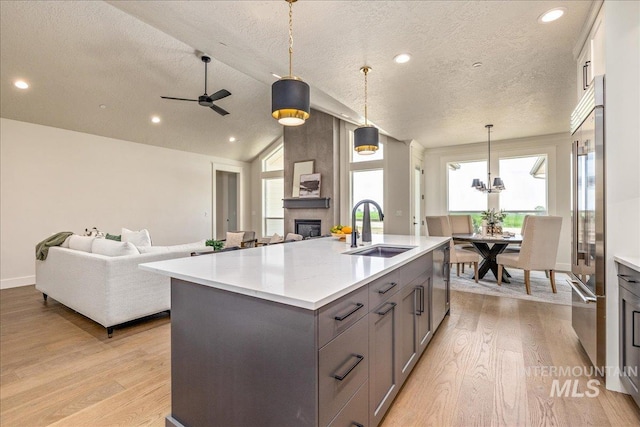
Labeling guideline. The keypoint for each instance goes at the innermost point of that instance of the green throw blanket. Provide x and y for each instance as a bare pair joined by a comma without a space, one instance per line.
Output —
42,248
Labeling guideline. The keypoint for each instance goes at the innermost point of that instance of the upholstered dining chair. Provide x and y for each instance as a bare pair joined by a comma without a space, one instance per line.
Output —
461,224
541,236
516,247
242,239
440,226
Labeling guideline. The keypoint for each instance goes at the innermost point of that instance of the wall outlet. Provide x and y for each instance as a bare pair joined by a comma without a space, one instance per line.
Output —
398,213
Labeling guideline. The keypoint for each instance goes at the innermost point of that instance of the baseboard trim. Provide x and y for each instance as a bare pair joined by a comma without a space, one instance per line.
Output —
17,281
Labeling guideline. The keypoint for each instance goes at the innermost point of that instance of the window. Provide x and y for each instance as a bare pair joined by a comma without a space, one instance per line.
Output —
462,197
272,210
526,193
274,161
367,182
273,192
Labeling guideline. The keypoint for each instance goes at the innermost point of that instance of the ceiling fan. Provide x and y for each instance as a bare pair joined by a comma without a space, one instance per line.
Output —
207,100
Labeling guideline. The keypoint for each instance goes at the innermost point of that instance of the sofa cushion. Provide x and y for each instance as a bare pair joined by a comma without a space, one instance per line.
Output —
113,248
187,247
234,239
81,243
138,238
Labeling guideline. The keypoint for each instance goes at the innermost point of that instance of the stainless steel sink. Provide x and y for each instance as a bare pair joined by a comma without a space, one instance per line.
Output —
381,251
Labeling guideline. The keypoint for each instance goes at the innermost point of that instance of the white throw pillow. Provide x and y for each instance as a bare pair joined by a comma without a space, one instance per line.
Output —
276,238
138,238
113,248
81,243
234,239
65,244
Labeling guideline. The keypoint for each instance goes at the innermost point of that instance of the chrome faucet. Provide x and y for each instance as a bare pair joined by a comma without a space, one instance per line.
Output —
366,222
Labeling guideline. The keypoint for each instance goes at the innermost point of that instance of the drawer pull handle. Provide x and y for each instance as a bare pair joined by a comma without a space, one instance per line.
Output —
420,304
341,318
633,328
382,313
627,279
355,424
387,289
343,376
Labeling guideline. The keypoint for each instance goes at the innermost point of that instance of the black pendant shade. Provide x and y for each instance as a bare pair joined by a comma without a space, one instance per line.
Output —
290,101
365,140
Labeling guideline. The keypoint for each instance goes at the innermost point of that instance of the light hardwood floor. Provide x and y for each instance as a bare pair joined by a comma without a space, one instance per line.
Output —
59,368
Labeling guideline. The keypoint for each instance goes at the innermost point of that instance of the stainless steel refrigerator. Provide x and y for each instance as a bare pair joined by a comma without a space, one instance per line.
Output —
588,249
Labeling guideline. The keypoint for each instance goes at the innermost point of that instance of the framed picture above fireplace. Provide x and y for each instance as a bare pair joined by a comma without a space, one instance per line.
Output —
300,168
310,185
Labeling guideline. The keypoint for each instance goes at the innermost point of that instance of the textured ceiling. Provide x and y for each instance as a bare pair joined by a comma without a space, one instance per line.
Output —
125,55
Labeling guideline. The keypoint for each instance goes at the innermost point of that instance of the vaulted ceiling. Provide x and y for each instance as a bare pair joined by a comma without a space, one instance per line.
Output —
79,55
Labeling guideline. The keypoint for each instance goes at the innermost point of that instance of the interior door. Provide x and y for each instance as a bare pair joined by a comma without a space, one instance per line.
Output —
227,193
417,198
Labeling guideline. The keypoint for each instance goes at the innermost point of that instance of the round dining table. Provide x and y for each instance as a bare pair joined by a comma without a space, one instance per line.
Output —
489,247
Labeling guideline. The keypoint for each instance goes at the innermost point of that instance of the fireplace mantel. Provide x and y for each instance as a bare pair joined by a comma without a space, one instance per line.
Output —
306,203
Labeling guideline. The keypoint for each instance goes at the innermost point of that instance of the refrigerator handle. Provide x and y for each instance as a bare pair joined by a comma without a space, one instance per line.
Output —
576,287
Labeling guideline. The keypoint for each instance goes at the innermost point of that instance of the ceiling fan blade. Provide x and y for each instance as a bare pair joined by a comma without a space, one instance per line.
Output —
178,99
219,110
222,93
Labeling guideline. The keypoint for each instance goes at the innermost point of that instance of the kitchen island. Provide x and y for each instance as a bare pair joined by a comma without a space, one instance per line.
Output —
302,333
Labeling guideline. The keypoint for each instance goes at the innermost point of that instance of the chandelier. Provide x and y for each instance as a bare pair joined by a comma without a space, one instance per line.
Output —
498,185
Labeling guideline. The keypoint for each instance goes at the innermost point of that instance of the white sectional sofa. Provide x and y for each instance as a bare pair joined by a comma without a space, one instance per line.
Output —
108,289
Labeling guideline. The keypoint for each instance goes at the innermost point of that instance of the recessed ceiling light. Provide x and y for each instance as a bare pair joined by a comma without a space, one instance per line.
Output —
276,76
551,15
155,119
476,64
21,84
103,106
232,139
402,58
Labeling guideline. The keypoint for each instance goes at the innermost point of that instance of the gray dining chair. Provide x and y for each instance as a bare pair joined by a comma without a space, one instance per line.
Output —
440,226
539,249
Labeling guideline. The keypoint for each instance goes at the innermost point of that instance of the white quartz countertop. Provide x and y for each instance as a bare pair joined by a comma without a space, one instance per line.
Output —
307,274
631,262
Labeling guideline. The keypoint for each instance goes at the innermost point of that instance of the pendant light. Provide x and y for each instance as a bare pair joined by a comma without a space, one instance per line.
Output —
498,185
290,95
365,138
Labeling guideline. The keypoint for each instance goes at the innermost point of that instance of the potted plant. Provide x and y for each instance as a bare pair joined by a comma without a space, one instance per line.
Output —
216,244
493,220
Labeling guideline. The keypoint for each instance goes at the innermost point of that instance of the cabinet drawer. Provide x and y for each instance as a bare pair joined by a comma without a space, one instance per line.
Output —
415,267
629,279
383,288
338,316
356,411
343,368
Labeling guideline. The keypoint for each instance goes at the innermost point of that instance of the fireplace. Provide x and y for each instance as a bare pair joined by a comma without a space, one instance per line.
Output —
308,227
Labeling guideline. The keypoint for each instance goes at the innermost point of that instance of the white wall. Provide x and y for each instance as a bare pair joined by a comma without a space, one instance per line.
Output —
58,180
622,154
557,147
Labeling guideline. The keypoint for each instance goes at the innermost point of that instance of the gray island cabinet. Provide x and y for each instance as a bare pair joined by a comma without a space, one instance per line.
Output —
333,354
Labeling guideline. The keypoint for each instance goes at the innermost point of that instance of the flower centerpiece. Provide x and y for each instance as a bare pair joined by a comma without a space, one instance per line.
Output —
493,221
